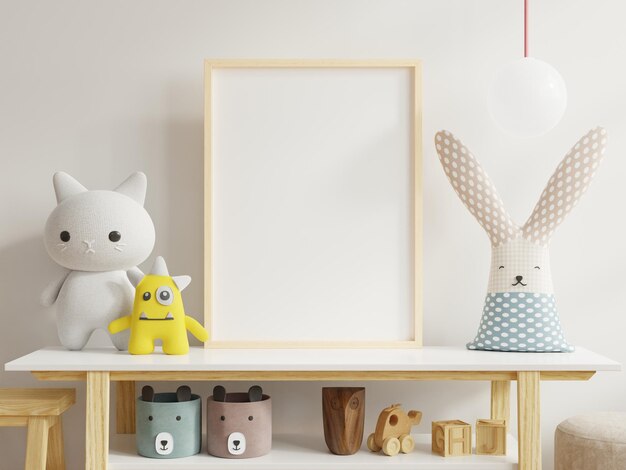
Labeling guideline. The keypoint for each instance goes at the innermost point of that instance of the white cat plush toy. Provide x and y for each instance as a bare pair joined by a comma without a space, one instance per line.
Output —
520,311
97,236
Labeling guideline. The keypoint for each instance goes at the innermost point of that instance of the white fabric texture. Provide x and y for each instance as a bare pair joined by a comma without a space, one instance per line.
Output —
97,236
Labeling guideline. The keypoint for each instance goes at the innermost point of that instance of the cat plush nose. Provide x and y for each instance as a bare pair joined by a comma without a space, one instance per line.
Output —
89,248
519,278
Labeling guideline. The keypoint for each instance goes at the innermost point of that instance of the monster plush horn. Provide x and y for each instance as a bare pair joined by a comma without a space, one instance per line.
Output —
520,311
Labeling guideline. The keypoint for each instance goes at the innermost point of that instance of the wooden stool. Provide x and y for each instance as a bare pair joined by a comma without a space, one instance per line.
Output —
40,410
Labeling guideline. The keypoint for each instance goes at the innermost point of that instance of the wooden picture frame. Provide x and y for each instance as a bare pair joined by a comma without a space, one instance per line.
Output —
250,101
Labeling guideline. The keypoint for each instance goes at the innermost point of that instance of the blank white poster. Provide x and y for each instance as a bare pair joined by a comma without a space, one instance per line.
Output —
312,205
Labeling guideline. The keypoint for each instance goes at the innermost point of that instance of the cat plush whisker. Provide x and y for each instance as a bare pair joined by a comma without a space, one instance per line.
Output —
120,247
62,246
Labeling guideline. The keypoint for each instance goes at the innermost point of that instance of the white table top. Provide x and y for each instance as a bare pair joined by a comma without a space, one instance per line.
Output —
424,359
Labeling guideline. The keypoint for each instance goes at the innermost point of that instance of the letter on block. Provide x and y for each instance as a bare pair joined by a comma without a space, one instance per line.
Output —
451,438
491,437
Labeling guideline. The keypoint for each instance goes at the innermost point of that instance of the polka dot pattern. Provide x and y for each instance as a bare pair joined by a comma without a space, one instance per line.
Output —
520,322
568,183
475,189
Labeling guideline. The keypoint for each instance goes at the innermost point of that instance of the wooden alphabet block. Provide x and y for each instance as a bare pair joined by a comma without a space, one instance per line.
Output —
491,437
451,438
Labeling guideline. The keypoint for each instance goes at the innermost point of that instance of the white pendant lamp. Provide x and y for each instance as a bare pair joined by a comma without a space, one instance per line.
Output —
528,97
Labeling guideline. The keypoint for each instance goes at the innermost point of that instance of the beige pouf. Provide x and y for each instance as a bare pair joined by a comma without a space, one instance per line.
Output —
591,442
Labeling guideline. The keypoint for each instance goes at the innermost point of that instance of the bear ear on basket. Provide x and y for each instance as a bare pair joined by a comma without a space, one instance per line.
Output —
520,312
255,393
147,393
183,393
219,393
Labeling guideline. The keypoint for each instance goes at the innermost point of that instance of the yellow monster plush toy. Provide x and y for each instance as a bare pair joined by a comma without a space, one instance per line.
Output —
158,313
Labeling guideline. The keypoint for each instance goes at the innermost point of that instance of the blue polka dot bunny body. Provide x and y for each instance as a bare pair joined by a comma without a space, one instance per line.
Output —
519,321
520,311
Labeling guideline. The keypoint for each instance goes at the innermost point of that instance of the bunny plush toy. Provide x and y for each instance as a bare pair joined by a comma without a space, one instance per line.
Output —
520,311
96,236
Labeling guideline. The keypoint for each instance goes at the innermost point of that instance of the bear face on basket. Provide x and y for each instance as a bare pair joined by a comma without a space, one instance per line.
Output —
239,425
169,425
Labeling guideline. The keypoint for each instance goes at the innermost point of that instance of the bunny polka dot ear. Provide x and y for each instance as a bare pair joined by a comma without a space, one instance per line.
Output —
475,189
569,182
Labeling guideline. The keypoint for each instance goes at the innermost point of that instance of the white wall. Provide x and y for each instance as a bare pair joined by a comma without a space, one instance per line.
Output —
100,89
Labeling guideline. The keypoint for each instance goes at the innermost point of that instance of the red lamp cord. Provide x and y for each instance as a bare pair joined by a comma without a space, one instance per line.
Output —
525,28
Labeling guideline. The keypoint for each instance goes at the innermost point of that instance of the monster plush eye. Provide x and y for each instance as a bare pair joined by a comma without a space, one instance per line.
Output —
164,295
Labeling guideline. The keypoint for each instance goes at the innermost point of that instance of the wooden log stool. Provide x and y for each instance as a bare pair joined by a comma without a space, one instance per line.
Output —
40,410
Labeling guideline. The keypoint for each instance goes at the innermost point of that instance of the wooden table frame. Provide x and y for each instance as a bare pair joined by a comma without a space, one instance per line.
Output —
98,398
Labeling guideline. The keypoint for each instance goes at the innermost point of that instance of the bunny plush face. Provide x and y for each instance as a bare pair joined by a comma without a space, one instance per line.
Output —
99,230
520,310
520,266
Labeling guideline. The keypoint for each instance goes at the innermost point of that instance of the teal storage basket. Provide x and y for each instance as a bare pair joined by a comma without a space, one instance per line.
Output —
168,428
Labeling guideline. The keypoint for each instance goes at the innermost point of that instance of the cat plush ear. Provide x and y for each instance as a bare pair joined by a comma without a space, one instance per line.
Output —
134,187
475,189
66,186
564,189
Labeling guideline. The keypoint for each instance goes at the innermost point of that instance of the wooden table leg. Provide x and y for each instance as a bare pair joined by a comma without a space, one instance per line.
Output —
125,407
56,456
528,420
37,443
501,399
97,421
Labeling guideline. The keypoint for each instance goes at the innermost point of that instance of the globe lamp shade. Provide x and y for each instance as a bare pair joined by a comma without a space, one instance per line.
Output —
528,97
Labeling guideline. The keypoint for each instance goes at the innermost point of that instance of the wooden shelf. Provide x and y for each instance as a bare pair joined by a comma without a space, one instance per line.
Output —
98,367
300,452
